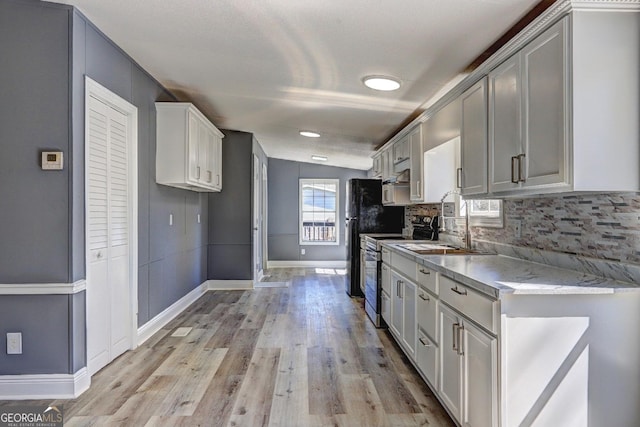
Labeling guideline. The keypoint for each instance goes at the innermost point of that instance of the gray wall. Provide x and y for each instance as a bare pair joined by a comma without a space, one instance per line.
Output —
172,259
230,211
51,47
283,210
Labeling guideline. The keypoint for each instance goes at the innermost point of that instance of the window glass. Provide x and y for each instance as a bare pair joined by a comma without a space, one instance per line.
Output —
318,211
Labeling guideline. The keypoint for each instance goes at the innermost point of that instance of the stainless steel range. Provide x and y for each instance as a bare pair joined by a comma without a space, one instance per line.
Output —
424,228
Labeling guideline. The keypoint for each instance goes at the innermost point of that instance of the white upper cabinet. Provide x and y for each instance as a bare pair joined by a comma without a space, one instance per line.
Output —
528,142
376,172
416,169
563,110
189,148
473,139
555,110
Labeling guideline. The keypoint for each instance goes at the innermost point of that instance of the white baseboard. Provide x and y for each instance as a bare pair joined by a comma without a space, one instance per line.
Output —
44,386
307,264
229,285
147,330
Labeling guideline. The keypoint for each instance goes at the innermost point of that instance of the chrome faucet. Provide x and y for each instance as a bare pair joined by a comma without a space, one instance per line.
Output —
467,234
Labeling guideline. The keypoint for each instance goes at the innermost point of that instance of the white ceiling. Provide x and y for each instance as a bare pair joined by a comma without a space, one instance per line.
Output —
274,67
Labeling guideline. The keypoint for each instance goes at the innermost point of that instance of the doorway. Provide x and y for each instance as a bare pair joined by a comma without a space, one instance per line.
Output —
111,220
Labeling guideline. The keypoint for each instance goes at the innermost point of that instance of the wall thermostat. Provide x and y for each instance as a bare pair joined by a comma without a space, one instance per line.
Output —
52,160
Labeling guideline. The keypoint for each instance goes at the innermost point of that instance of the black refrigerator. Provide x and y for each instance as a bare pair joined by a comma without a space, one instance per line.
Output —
365,213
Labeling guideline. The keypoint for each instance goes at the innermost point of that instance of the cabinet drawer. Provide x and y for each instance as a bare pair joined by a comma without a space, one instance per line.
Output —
428,314
405,266
470,303
386,278
427,358
427,279
386,255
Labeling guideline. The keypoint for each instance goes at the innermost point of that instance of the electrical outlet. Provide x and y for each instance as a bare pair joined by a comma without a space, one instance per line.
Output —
517,228
14,342
303,251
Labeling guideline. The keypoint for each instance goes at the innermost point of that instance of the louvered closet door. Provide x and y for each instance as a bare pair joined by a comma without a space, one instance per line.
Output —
108,293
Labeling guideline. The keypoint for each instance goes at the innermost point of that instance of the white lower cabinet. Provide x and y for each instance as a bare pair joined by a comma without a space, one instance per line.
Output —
468,370
385,307
403,312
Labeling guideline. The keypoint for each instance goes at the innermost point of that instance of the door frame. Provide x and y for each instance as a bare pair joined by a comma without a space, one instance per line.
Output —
99,92
258,269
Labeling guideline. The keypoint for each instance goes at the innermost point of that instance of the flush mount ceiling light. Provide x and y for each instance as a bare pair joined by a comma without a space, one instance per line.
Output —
384,83
319,158
309,134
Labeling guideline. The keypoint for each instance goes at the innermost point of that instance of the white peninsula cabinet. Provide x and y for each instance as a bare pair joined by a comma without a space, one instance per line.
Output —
505,342
189,148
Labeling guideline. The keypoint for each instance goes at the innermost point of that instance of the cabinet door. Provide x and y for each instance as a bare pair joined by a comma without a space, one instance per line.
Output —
377,166
473,137
193,147
397,305
217,163
409,316
450,387
480,378
387,163
416,172
505,124
205,157
545,99
386,278
385,307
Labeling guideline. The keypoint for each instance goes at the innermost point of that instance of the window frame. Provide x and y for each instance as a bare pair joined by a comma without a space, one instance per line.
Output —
301,183
479,220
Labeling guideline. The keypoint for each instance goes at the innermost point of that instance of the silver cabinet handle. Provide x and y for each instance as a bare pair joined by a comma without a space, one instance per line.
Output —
423,271
514,161
461,340
218,179
384,267
423,298
454,333
424,342
459,178
459,292
520,167
418,192
398,288
197,172
99,255
210,176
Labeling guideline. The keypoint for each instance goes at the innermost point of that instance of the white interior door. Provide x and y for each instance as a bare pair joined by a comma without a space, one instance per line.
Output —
110,221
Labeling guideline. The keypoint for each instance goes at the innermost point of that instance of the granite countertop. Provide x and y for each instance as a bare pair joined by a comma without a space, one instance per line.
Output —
499,275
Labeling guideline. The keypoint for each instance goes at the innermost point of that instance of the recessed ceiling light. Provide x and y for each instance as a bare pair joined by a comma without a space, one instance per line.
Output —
384,83
309,134
319,158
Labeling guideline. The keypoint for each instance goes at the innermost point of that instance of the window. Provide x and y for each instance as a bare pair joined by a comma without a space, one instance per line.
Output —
318,211
483,212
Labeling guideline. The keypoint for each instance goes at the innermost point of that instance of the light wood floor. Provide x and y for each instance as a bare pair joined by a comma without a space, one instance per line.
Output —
302,355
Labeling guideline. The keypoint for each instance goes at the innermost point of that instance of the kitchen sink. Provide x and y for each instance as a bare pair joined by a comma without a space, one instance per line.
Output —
433,249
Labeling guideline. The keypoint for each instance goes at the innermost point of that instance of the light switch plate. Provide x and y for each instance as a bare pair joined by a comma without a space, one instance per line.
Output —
14,342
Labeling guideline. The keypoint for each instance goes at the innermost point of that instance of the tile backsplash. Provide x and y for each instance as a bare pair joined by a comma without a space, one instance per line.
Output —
601,226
